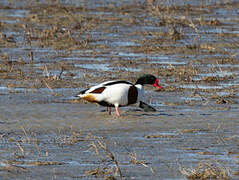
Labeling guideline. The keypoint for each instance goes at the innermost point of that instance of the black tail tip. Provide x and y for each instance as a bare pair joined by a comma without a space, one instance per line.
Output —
78,95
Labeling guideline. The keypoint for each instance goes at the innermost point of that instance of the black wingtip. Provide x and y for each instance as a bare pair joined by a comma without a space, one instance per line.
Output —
77,95
81,92
146,107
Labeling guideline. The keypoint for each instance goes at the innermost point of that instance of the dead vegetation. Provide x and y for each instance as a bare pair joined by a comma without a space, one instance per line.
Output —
200,46
31,150
159,136
207,170
136,161
109,167
105,171
182,131
181,30
33,163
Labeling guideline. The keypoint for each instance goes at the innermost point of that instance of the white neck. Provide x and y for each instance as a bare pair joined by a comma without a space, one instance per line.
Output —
140,91
139,86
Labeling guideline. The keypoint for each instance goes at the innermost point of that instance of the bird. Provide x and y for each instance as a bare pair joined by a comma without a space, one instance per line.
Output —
119,93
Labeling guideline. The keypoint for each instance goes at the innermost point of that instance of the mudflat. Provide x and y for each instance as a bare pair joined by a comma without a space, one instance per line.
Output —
65,140
52,50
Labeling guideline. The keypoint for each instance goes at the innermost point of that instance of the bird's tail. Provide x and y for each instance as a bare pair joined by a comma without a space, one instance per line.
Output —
81,93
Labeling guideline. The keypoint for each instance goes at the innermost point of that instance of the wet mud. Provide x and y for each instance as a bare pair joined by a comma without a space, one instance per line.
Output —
52,50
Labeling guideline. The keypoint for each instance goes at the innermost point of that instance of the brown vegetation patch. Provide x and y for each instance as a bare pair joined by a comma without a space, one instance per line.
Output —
208,153
34,163
182,131
101,149
72,28
159,136
205,171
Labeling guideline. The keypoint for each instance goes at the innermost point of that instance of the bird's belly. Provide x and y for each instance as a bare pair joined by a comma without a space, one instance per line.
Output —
117,100
116,95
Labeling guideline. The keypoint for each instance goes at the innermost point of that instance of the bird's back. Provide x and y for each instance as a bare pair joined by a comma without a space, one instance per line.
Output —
120,93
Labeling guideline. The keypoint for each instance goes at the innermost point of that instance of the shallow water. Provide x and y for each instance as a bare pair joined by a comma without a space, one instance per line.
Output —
41,120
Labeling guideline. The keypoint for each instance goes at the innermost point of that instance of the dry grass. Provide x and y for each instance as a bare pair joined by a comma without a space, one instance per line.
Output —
72,139
8,167
34,163
108,172
206,170
100,172
182,131
62,27
181,31
136,161
17,167
159,136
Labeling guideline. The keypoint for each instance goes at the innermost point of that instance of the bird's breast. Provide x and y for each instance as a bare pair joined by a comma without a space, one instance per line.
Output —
132,95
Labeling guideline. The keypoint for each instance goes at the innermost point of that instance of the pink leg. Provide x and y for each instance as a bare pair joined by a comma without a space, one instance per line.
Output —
117,110
109,110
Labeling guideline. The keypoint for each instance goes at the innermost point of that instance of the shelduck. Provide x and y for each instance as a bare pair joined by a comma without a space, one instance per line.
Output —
118,93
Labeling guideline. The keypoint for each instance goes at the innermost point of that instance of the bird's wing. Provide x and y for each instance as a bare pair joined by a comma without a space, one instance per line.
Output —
100,87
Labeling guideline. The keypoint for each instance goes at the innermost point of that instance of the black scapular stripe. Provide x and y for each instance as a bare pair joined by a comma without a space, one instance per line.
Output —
117,82
132,95
82,92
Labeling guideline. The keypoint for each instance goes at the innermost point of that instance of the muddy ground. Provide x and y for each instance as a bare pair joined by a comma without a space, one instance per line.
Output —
51,50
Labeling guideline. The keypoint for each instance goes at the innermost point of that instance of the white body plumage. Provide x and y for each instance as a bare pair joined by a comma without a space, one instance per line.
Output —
118,93
114,94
